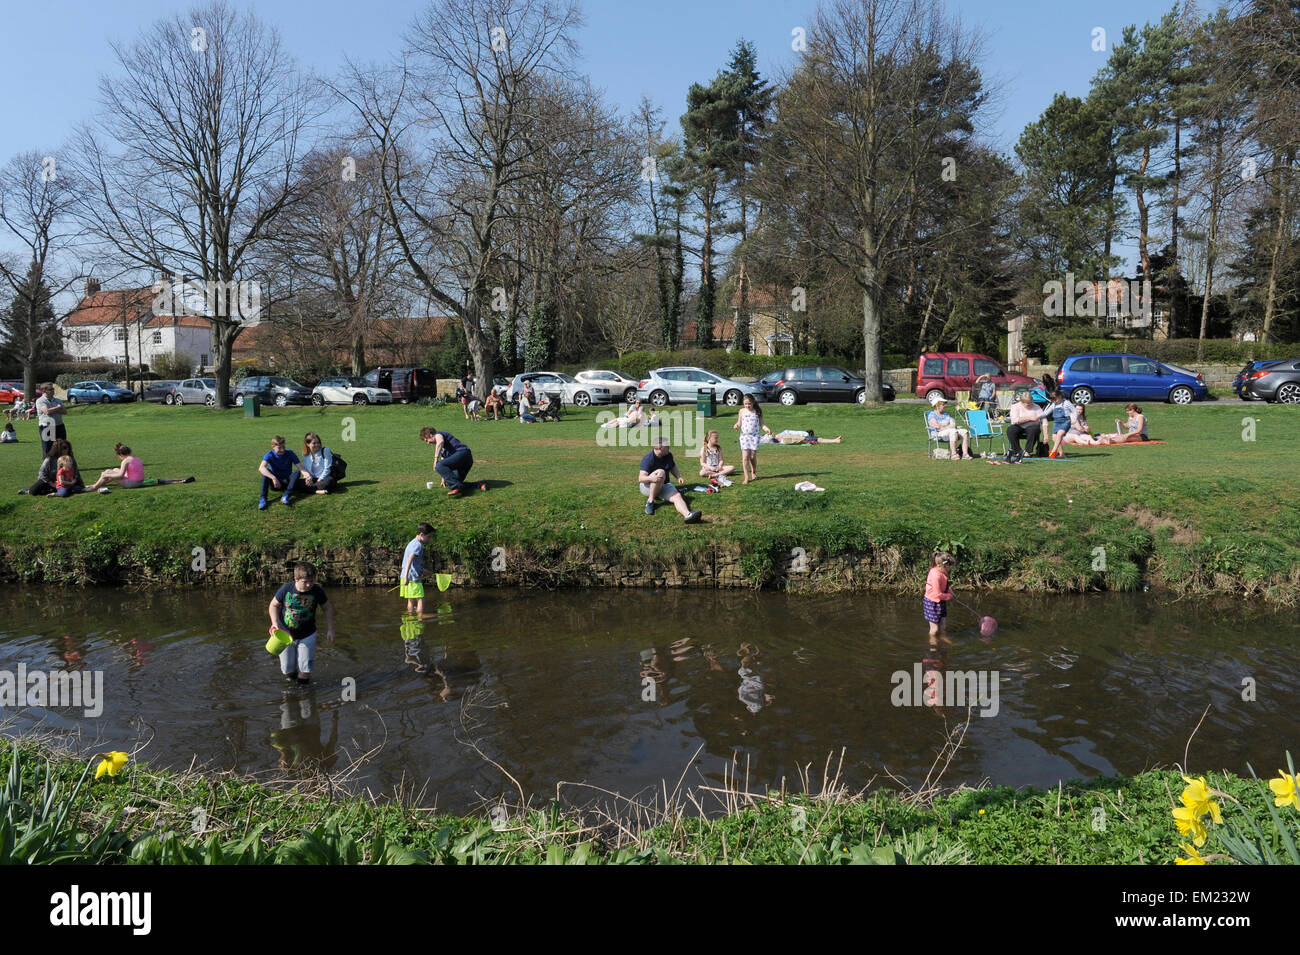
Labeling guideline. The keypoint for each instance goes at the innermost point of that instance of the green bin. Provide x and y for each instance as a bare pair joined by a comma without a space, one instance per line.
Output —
706,402
252,406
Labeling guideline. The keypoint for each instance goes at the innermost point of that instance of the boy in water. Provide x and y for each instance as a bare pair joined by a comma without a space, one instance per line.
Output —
293,608
413,569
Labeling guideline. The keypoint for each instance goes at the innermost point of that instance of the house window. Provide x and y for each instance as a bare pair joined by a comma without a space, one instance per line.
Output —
83,336
203,361
157,338
119,334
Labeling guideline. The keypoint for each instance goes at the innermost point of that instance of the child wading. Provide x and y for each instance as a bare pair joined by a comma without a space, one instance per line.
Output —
293,608
937,594
413,569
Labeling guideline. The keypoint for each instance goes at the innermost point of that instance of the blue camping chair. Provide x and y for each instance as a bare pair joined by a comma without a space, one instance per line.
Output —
981,427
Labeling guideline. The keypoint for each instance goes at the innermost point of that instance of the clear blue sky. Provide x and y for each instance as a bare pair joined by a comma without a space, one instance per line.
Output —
52,52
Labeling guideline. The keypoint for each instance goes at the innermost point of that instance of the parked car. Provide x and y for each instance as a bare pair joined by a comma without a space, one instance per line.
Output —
574,392
618,383
768,383
821,383
162,391
195,391
405,384
98,392
1239,383
273,389
664,386
943,374
349,391
1115,377
10,391
1278,381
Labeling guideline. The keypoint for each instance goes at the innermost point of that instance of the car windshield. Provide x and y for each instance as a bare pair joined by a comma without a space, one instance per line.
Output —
208,382
356,382
104,384
564,377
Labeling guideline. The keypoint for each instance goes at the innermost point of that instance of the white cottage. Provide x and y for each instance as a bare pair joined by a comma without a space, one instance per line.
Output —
122,326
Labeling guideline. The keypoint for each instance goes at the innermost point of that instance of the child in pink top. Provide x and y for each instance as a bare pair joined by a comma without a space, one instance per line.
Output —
937,594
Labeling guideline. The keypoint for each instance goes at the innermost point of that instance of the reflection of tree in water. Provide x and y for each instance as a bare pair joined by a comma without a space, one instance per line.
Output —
298,740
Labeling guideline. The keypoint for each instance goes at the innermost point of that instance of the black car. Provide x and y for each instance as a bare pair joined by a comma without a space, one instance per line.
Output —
273,389
159,390
821,383
1278,381
1239,383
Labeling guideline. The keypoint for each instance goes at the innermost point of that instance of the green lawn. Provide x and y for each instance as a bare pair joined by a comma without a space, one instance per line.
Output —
1207,511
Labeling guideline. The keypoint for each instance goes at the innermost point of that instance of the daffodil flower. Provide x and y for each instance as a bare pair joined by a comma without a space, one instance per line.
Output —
1284,790
1194,857
1189,824
1199,798
112,764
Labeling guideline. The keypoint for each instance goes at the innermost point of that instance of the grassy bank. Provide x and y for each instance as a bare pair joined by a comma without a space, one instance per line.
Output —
144,816
1208,512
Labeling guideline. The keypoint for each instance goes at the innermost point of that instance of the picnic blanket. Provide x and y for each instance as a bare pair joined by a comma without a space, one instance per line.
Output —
1129,443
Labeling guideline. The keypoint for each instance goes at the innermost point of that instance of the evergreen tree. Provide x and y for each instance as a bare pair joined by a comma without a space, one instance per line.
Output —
29,331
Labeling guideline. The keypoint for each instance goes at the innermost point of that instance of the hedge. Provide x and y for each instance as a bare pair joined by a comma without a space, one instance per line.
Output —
1173,350
80,370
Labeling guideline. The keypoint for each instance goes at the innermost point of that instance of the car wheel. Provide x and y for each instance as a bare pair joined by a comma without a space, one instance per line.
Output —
281,400
788,398
861,396
732,398
1182,395
72,399
210,400
318,400
178,400
167,399
582,399
1082,396
659,398
629,396
104,399
934,394
1288,393
360,400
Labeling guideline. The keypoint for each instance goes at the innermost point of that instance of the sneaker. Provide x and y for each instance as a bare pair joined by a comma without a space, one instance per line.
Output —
692,518
25,490
454,492
649,507
261,503
104,490
482,485
285,499
188,480
1054,454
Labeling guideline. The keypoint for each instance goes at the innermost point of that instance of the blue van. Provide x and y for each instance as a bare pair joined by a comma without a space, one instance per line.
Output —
1088,378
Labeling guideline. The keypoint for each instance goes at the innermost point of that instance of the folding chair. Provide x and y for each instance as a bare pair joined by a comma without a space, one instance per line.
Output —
933,444
1005,400
981,427
554,404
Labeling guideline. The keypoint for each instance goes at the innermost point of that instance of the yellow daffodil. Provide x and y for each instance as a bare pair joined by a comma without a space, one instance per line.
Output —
1194,857
1189,824
112,764
1199,798
1284,790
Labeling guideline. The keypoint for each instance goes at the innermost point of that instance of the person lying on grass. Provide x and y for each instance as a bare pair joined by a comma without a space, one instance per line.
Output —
805,437
634,417
279,470
130,473
652,479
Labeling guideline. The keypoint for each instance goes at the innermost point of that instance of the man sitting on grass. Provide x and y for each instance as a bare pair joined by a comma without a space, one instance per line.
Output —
653,479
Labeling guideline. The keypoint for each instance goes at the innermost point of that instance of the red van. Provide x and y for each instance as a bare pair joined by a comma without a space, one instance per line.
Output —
943,374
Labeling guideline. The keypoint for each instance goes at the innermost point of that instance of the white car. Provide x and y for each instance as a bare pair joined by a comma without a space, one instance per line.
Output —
580,393
349,391
618,383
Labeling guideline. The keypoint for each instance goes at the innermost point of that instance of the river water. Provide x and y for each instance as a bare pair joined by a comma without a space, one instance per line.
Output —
624,690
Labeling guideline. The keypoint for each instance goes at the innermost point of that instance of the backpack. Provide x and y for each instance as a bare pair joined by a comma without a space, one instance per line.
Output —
339,470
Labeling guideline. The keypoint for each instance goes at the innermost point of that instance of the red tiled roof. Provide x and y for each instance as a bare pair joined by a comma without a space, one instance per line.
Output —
106,308
186,321
724,329
763,296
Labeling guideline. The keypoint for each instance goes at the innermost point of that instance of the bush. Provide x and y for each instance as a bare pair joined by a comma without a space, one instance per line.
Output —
1178,351
87,371
174,366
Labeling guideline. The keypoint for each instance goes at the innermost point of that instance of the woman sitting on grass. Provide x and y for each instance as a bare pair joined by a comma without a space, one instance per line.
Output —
317,471
1137,428
1080,432
8,435
47,478
130,473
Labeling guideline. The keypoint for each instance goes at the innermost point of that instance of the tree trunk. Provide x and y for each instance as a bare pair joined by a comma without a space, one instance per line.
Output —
223,342
358,352
1173,238
1144,216
870,332
1279,237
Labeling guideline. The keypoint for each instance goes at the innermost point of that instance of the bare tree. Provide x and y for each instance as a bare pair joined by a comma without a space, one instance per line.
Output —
447,127
193,160
36,201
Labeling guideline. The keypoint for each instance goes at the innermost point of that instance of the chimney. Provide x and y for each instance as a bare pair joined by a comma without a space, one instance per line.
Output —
165,276
92,286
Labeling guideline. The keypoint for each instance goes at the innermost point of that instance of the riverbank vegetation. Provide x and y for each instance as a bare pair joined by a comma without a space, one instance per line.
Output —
53,809
1208,512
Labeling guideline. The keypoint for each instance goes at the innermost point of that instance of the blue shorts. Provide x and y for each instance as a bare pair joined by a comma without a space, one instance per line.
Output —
935,610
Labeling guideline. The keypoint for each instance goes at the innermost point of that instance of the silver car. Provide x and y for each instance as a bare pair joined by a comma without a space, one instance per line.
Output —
573,392
350,390
196,391
618,383
666,386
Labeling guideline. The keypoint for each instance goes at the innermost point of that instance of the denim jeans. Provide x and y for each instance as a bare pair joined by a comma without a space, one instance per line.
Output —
454,467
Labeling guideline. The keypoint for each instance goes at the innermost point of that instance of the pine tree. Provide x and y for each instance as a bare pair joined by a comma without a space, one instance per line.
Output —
30,331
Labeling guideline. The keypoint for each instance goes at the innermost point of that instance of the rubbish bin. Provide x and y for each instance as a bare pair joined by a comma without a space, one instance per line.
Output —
252,406
706,402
